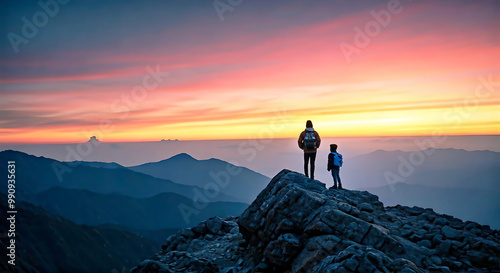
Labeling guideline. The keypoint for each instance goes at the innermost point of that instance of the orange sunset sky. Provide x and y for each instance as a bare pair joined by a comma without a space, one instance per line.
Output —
254,69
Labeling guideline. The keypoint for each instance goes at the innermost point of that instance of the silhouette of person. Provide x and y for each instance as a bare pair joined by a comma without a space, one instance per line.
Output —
309,141
334,163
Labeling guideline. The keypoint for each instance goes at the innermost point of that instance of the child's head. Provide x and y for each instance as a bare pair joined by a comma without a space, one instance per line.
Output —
333,148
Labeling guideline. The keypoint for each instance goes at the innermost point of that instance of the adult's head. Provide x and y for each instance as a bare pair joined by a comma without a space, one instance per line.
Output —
309,124
333,148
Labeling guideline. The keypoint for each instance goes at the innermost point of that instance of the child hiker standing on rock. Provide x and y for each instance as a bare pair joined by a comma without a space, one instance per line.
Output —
334,163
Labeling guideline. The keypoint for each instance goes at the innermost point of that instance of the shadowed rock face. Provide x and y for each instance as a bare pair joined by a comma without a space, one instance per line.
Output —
297,225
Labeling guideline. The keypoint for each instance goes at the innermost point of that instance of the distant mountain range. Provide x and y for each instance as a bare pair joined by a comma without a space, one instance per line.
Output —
461,183
132,213
97,164
158,212
49,243
445,168
39,174
96,193
239,182
482,206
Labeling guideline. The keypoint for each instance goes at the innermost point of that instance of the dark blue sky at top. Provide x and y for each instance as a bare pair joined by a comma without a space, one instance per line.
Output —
88,29
139,25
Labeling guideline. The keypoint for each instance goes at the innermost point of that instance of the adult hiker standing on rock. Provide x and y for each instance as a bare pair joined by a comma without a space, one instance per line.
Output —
309,141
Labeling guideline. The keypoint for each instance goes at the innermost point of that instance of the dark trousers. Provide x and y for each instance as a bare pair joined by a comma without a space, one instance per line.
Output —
308,156
336,178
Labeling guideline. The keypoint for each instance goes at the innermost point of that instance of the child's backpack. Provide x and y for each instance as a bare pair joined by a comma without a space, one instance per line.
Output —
309,141
337,160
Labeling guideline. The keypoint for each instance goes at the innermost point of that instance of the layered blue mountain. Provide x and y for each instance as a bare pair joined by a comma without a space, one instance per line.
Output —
238,182
49,243
479,205
446,168
106,194
39,174
97,164
461,183
154,213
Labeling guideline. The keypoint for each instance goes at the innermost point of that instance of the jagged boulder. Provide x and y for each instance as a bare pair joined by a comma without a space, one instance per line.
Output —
297,225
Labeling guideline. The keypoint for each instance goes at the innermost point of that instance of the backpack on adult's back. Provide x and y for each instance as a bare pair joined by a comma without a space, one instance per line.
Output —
309,141
337,160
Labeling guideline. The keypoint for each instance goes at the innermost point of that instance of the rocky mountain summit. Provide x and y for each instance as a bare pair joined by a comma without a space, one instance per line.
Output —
297,225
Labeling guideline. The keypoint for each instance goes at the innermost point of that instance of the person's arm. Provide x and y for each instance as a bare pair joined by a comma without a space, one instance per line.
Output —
329,162
301,140
318,140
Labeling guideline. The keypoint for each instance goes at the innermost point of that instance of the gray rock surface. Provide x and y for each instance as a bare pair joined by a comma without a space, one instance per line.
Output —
297,225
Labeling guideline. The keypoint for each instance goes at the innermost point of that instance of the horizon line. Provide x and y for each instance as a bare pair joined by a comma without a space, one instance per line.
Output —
235,139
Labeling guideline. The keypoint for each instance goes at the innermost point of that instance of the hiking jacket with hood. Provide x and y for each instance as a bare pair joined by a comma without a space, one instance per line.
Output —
303,135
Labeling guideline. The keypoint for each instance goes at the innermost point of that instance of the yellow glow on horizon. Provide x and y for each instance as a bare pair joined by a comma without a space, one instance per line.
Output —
448,121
